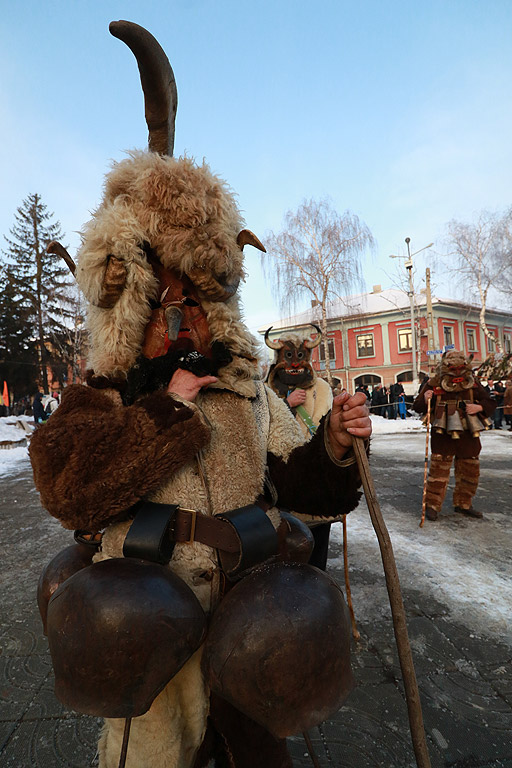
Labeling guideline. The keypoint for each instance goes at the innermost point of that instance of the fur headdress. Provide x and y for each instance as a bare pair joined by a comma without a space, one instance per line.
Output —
190,219
453,372
161,213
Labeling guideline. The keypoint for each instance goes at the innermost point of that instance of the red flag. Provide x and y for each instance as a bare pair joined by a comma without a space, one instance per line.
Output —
5,394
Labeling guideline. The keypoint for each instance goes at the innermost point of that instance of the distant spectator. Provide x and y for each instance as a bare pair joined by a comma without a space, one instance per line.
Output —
497,393
396,390
376,406
51,405
388,409
402,407
38,409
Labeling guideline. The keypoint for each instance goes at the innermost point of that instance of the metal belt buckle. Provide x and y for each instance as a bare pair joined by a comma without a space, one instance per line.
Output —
193,512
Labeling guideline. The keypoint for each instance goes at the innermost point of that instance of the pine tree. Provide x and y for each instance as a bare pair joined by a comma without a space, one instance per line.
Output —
18,353
39,278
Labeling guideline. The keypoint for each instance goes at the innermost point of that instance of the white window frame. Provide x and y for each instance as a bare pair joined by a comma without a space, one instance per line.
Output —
448,328
332,351
408,331
471,335
358,336
507,343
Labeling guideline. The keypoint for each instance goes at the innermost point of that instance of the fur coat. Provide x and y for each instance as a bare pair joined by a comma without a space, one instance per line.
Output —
96,457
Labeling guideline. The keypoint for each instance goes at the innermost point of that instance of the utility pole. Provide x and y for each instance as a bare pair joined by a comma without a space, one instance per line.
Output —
414,342
408,266
430,318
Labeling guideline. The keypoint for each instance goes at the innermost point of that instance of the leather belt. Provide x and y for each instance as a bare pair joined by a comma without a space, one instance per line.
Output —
188,526
156,528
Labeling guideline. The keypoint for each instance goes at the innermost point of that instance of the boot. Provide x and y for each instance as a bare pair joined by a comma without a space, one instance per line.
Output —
471,512
431,513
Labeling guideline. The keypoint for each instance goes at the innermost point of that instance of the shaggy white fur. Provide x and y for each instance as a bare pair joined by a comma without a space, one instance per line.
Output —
243,429
190,217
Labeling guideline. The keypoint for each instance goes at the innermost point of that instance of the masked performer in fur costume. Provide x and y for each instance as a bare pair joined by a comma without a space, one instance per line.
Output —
174,414
460,408
293,379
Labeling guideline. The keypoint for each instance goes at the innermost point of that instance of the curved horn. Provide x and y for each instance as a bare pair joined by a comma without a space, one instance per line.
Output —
113,284
312,344
272,344
212,289
246,237
158,83
58,250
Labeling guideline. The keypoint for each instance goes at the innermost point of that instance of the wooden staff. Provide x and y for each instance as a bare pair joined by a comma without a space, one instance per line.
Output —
412,695
425,471
124,746
355,631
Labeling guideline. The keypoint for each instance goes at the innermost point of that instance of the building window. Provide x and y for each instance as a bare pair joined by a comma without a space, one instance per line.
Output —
365,347
491,346
404,340
448,335
507,347
321,351
471,336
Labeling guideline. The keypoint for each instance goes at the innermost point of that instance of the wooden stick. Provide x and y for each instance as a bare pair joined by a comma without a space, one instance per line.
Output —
312,753
355,631
397,609
124,747
425,471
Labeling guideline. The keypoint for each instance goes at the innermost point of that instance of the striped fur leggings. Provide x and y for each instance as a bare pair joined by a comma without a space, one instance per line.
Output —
467,472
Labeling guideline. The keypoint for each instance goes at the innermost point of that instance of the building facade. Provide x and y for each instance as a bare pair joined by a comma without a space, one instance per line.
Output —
370,337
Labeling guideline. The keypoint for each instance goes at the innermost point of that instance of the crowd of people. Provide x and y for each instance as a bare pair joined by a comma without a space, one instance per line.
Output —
501,393
388,402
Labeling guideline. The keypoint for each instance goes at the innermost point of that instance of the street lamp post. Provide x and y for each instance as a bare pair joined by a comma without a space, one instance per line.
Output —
408,265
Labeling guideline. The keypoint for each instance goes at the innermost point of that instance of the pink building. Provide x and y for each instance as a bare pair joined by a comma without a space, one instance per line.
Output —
370,339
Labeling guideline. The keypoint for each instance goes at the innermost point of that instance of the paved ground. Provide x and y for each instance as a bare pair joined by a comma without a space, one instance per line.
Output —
462,642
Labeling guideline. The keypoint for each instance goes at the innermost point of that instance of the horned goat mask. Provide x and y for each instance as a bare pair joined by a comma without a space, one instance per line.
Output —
167,235
292,367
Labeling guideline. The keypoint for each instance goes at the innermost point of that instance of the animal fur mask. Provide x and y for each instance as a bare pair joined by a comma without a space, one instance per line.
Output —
162,216
454,372
191,222
292,367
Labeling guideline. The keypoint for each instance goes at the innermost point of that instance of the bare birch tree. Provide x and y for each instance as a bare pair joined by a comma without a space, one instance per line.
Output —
316,255
484,258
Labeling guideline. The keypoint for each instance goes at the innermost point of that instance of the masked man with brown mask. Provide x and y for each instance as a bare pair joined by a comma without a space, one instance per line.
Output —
459,408
293,379
178,459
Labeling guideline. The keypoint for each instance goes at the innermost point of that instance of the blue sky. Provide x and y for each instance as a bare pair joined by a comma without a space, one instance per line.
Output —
398,111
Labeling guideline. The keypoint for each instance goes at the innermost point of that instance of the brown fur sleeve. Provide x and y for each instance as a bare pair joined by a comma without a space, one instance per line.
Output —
93,459
311,484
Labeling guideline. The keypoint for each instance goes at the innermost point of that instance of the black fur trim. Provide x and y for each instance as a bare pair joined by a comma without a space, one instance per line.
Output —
148,376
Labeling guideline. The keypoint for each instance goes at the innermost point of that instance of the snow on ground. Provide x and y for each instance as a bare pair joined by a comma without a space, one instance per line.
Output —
463,563
13,459
9,430
382,426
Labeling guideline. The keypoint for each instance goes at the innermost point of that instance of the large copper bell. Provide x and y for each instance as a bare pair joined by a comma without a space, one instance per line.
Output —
439,423
475,426
63,565
454,425
118,631
278,648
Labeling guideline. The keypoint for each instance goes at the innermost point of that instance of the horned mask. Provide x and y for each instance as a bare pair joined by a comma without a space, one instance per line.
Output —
292,368
453,372
162,258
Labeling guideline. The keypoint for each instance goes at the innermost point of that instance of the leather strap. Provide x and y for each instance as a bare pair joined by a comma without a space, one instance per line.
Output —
157,527
191,526
148,537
